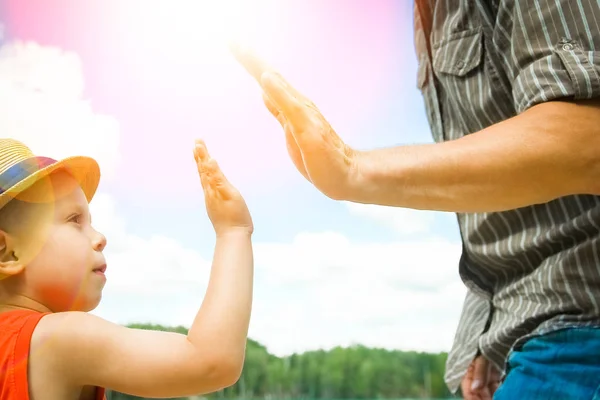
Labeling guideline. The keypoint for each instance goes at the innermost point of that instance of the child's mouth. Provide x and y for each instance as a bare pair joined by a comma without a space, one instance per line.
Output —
100,270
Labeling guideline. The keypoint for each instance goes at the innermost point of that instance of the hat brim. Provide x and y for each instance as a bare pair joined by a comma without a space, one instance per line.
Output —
85,171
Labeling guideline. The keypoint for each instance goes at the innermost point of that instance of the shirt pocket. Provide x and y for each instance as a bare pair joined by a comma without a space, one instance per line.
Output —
458,54
459,68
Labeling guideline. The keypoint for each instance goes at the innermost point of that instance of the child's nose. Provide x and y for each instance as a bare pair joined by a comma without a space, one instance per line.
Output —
99,242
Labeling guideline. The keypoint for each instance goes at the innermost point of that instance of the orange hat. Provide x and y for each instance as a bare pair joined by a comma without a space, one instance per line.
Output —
20,169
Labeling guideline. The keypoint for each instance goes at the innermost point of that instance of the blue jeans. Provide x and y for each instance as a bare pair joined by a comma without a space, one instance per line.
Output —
562,365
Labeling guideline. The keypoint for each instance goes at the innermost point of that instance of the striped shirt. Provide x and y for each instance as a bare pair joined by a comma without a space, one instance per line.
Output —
535,269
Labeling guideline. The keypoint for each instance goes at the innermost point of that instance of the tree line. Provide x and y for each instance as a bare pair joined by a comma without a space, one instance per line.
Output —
355,372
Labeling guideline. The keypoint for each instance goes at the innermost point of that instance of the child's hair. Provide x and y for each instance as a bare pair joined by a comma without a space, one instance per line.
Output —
10,216
16,217
16,214
11,213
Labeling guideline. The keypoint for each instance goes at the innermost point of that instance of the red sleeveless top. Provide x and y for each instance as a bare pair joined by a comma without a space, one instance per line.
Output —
16,329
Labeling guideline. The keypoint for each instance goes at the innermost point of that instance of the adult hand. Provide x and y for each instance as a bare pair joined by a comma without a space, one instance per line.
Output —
314,147
481,381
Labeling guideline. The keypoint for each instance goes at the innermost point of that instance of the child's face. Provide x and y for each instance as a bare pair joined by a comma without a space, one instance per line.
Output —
61,250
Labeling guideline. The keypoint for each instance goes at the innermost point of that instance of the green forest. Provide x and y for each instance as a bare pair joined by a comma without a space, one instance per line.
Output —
355,372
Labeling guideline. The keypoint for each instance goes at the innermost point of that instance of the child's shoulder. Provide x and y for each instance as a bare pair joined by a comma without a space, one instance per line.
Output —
16,330
16,316
17,326
33,349
59,333
51,334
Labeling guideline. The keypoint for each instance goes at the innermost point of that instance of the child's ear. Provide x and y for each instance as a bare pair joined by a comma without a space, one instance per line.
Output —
9,262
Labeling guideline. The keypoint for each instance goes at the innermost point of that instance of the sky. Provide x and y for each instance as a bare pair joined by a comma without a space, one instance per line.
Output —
132,83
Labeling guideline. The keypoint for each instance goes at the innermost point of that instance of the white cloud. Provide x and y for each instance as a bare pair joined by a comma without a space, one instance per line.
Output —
152,279
319,291
418,265
296,324
328,291
401,220
41,98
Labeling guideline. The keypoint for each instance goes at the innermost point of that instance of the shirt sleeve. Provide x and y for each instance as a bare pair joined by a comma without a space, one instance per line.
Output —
554,50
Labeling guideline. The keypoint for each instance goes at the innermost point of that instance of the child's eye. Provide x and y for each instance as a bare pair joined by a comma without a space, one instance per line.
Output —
75,218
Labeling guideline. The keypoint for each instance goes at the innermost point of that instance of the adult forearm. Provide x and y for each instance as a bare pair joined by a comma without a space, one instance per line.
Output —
549,151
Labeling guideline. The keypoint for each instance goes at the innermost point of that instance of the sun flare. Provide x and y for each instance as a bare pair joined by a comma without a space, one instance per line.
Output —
207,25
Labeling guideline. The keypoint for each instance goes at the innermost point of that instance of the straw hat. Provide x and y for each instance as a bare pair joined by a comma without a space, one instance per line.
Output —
20,169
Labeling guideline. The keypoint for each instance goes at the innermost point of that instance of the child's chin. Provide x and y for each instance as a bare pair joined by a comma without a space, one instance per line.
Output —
92,305
87,304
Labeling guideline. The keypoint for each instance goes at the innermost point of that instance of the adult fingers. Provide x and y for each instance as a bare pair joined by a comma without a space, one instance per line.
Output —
253,64
294,110
273,110
295,152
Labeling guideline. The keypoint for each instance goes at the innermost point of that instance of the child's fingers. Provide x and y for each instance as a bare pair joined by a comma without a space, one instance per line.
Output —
219,181
202,162
212,178
215,177
200,151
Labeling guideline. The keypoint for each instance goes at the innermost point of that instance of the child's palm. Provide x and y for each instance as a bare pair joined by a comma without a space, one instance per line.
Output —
225,206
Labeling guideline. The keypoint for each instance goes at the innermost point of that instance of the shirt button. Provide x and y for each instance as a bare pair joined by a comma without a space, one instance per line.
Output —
567,47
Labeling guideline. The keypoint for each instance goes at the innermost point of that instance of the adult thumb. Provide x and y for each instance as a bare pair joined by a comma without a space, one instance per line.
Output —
480,373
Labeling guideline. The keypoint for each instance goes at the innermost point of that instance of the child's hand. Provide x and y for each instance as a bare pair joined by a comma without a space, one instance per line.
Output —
225,206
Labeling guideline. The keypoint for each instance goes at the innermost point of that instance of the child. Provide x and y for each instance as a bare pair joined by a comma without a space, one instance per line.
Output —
52,271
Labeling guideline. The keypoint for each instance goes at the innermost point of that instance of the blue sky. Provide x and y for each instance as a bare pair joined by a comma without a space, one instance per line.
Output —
373,275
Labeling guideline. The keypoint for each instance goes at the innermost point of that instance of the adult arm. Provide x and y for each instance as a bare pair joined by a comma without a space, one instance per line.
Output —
549,151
